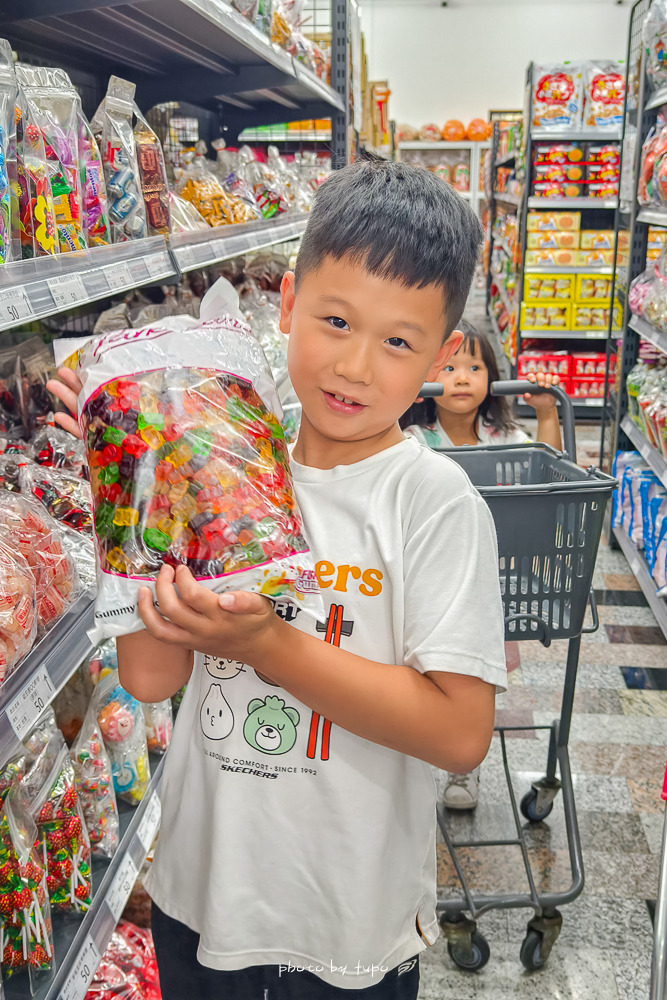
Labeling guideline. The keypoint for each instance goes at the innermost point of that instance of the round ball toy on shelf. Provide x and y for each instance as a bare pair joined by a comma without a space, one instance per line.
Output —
453,131
478,130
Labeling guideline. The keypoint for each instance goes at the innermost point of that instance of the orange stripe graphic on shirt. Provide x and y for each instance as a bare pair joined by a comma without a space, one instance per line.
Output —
335,627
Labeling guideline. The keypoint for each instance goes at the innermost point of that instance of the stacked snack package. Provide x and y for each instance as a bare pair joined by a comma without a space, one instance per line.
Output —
112,126
26,933
50,787
189,464
121,722
94,780
7,148
652,183
153,176
53,106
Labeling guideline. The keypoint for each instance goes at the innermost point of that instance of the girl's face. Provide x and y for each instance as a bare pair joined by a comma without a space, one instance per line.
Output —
465,379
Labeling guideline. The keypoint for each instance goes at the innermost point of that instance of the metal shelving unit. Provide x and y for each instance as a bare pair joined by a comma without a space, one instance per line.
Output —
637,563
476,151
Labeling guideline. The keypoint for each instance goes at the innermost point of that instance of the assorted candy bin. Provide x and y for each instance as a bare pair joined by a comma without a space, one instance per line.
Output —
189,464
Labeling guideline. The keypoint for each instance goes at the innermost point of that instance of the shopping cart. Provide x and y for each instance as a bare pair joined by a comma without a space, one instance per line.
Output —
548,515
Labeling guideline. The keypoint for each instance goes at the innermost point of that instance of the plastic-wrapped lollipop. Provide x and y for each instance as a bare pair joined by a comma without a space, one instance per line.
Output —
159,722
121,722
95,786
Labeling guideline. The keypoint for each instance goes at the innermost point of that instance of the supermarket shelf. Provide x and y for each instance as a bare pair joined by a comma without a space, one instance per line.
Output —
564,269
536,202
650,454
283,135
500,242
508,197
502,291
42,673
176,50
658,605
507,158
577,134
653,216
440,144
80,944
563,335
193,250
658,99
649,332
34,289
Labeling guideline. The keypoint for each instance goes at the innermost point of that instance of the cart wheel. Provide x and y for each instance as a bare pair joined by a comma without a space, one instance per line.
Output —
531,951
474,959
528,807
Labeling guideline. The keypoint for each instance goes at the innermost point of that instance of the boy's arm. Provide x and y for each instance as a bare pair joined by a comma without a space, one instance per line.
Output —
151,670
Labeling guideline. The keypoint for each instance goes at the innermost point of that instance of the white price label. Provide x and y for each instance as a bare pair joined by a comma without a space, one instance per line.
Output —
157,266
119,276
76,985
204,251
220,248
186,257
121,887
150,822
30,703
67,290
15,305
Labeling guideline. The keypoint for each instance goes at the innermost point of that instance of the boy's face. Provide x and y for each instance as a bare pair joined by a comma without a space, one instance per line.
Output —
360,348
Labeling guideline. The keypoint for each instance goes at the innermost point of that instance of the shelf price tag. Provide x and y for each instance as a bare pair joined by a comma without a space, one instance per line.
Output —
186,257
121,887
76,985
29,704
67,290
119,276
150,822
157,266
203,252
15,305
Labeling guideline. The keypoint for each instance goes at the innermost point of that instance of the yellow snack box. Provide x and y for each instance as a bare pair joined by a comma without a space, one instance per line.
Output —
595,258
543,288
594,289
544,317
541,222
597,239
555,240
550,258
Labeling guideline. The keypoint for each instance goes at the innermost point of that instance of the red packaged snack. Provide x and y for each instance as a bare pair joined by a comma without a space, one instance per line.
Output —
557,95
557,152
604,94
18,618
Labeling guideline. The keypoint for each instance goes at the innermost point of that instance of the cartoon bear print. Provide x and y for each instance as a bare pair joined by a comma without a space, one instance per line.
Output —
270,727
215,716
222,670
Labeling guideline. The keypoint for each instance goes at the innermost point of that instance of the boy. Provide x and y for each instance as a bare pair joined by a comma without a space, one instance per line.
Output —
298,824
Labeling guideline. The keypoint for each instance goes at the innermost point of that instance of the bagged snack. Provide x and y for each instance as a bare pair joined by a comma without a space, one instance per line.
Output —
30,531
18,619
57,449
8,94
217,205
128,968
50,789
604,94
34,211
184,216
71,703
557,93
113,130
66,497
153,176
27,941
53,105
95,208
189,464
159,722
429,133
121,723
654,36
94,783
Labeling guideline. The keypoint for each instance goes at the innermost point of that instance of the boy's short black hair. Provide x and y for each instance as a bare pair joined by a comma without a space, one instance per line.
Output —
399,222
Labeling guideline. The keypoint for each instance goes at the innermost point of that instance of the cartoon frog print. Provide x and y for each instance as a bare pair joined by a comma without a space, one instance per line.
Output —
270,727
215,716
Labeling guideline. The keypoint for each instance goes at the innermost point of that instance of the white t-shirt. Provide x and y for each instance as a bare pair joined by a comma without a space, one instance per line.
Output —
434,436
286,840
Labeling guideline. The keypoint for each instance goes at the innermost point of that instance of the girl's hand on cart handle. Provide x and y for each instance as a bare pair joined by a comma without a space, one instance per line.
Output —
541,403
67,388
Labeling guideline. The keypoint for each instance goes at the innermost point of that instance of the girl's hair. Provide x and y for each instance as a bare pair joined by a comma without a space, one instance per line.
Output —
494,410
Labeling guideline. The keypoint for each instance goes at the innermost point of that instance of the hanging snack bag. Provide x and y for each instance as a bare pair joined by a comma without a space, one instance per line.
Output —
557,93
112,128
159,721
153,176
189,464
51,791
95,208
121,722
654,34
27,940
18,620
94,783
32,202
604,94
8,94
53,104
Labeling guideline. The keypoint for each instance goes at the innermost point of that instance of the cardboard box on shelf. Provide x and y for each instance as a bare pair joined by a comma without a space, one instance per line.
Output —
594,317
554,363
554,240
596,239
551,258
545,317
540,222
593,289
542,288
595,258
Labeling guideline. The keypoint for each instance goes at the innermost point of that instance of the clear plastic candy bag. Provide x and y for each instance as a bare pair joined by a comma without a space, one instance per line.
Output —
94,782
66,497
128,969
189,464
654,36
58,449
159,723
95,206
34,212
8,94
18,617
121,723
153,176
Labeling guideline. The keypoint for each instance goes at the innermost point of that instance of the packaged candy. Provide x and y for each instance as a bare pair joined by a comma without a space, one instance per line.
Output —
121,722
29,530
189,464
557,94
66,497
654,36
604,94
18,619
57,449
50,788
95,786
184,216
27,939
429,133
159,722
35,221
113,130
8,95
128,968
558,152
216,204
71,703
153,176
95,207
53,106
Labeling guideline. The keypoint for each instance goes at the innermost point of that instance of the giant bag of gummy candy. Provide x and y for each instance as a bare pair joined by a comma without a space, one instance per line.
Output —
188,463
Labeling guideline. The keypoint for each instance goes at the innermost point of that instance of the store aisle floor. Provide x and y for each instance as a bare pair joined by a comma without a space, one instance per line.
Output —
617,753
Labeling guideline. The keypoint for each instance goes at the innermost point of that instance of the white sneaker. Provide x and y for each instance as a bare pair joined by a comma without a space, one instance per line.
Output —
462,790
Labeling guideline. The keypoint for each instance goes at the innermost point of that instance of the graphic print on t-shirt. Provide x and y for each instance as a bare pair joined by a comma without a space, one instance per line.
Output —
334,627
215,715
271,725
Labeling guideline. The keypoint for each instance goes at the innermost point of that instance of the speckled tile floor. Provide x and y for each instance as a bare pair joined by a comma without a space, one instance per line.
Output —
617,754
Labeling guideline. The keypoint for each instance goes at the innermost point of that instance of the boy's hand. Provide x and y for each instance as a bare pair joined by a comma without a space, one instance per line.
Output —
67,392
542,402
234,625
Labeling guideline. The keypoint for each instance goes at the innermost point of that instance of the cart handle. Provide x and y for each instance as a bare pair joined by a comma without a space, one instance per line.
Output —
431,389
543,632
518,388
594,614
